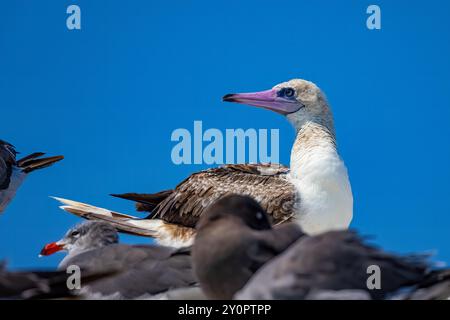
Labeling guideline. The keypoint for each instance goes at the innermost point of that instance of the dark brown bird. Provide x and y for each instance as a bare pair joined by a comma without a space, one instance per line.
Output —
234,239
13,172
335,265
237,254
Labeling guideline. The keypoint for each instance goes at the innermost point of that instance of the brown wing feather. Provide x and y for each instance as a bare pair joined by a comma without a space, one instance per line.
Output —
267,184
145,202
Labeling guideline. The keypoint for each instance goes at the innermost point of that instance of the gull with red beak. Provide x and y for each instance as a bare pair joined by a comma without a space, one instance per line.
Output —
315,191
84,237
127,271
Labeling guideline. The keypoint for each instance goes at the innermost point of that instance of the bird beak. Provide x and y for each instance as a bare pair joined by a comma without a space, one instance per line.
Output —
267,99
51,248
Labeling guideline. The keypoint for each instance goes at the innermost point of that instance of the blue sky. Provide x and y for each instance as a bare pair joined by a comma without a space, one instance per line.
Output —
109,96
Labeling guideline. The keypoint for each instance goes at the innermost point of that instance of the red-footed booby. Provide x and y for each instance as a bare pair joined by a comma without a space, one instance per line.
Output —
13,172
315,191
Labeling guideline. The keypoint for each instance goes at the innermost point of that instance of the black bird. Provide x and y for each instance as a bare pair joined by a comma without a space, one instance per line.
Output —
13,172
136,271
234,239
235,243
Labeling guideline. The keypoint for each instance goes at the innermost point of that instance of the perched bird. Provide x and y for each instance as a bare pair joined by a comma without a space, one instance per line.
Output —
136,272
337,265
315,191
234,239
237,254
13,172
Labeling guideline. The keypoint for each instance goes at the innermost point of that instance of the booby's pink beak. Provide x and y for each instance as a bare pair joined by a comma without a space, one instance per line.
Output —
51,248
268,99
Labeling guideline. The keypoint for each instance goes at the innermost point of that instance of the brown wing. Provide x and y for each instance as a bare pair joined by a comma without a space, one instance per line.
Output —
144,201
266,183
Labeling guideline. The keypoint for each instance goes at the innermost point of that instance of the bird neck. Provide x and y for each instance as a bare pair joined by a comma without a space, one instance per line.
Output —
73,252
321,179
314,144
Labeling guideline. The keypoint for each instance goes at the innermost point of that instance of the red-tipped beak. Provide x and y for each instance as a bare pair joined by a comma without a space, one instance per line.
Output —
51,248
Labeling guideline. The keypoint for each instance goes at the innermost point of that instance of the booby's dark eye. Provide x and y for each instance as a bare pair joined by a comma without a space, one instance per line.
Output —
289,92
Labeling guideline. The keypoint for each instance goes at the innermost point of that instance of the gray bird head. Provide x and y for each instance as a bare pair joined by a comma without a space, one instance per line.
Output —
85,236
247,210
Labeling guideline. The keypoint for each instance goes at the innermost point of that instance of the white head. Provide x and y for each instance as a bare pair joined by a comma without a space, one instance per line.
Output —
299,100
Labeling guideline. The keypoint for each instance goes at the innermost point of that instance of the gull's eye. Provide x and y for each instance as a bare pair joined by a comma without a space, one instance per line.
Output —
75,233
289,92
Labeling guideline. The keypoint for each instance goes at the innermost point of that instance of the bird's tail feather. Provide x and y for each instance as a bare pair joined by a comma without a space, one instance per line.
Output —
122,222
144,201
34,162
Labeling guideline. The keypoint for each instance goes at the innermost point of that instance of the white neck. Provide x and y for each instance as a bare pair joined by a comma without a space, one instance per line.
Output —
326,201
